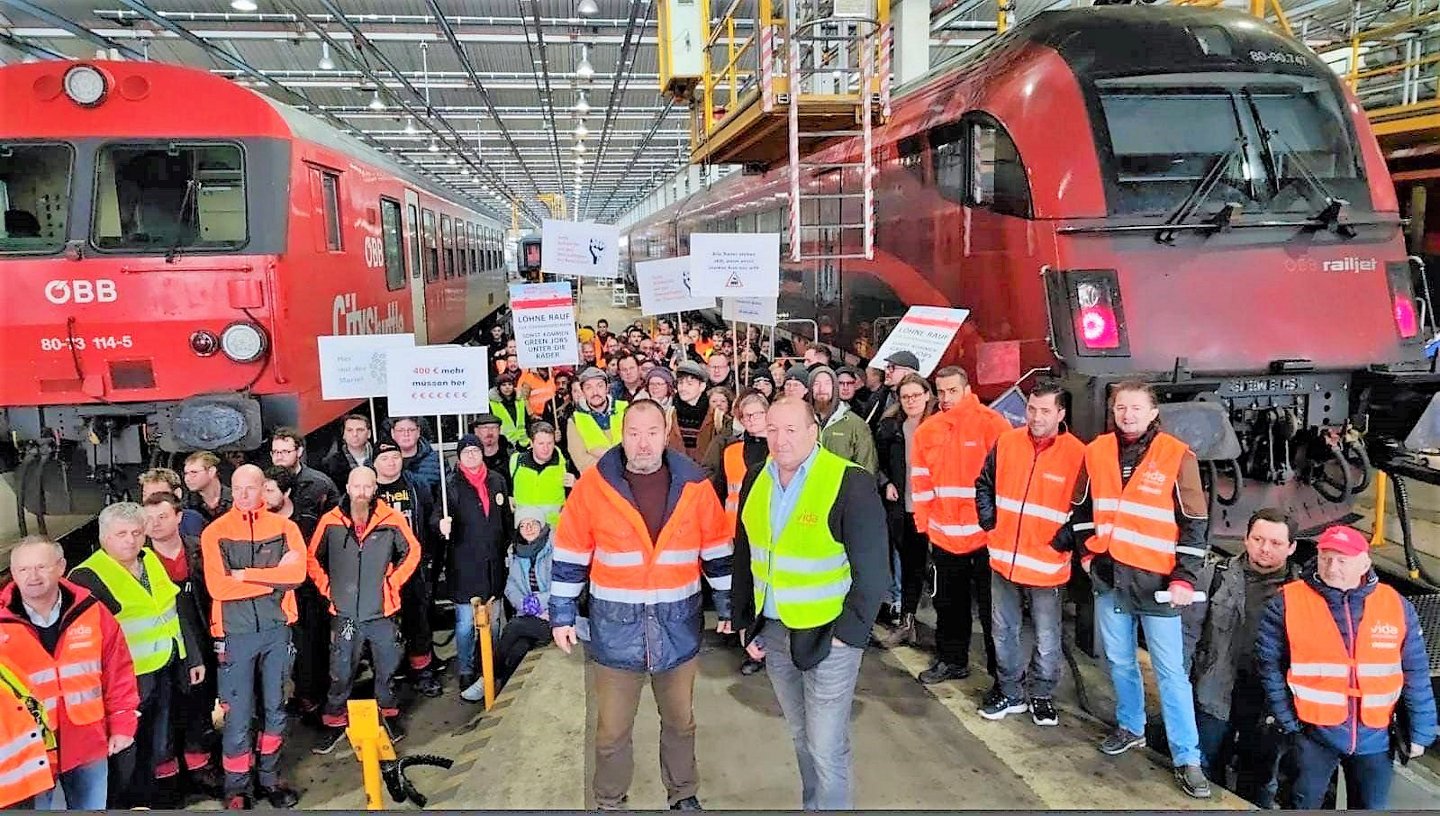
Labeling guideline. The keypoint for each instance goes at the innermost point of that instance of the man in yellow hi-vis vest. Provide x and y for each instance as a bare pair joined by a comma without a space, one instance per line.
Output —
130,580
811,567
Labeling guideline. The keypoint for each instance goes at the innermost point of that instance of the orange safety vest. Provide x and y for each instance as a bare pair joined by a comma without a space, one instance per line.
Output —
1325,677
599,527
25,767
949,453
73,674
734,477
540,391
1033,494
1135,520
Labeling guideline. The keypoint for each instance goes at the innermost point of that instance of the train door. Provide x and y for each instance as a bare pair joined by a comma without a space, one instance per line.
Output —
417,282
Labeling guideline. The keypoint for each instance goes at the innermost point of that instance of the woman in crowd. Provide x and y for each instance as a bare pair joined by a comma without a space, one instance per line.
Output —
894,441
528,590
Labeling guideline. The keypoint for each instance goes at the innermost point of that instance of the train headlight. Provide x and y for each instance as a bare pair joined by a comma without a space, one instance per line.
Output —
1402,300
85,85
243,342
1099,316
204,343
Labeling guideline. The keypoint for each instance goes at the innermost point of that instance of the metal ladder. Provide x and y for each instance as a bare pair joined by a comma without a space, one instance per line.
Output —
830,54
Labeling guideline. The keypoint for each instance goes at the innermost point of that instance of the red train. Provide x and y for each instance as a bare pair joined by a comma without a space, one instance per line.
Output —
1181,194
174,243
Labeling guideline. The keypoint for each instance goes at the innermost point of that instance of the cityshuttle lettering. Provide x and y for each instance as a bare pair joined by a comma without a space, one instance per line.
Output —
348,317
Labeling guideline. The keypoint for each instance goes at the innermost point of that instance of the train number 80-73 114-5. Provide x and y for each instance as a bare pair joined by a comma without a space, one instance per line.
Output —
107,342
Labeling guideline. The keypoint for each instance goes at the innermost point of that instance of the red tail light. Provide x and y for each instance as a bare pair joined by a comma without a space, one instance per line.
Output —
1405,318
1402,300
1096,324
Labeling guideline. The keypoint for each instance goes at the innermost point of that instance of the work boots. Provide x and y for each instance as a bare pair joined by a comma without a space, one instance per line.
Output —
901,635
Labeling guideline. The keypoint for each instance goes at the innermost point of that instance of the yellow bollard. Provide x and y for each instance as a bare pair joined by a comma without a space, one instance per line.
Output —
487,649
1382,482
372,744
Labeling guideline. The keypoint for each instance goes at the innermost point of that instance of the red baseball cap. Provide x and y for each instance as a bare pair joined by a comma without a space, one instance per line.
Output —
1343,540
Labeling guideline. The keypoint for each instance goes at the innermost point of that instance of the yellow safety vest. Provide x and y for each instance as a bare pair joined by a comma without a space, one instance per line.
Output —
149,620
512,425
805,566
543,490
590,432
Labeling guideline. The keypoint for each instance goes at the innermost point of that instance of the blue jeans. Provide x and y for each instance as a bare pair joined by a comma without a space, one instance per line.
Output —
84,788
1166,644
816,704
1367,776
1007,611
465,636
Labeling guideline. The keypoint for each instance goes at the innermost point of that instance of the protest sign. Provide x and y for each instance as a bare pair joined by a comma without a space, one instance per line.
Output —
352,366
727,264
430,380
665,287
925,331
760,310
544,322
580,248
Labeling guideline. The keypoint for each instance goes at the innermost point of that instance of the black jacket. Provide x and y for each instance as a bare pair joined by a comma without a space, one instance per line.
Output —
355,574
893,459
194,501
314,493
338,463
857,520
477,540
420,513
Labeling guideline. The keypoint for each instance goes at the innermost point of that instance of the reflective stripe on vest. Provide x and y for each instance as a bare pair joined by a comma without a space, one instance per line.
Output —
542,490
34,706
1033,495
148,619
511,425
1135,520
734,478
1325,677
590,432
538,391
804,567
24,765
72,673
951,448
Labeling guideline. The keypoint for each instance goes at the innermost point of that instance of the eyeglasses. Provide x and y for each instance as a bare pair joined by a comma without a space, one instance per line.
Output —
749,415
891,366
920,395
283,450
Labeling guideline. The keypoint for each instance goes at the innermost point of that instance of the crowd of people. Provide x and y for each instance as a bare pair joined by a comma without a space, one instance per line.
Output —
678,469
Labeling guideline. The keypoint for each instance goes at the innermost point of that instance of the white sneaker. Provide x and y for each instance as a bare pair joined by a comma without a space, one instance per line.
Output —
476,692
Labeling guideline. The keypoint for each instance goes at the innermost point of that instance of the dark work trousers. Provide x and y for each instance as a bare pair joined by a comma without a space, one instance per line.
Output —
312,647
253,669
192,726
1367,776
521,634
1257,751
415,629
914,550
132,772
962,583
348,639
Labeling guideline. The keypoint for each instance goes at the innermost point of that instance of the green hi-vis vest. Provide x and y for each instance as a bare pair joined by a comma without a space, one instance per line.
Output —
33,705
512,425
148,619
543,490
806,567
590,432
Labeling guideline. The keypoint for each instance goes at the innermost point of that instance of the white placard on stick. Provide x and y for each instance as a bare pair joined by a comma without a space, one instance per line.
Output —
760,311
925,331
352,366
728,264
544,321
665,287
581,248
430,380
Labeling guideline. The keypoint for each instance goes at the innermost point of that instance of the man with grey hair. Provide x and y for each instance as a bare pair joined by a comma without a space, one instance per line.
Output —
163,637
53,628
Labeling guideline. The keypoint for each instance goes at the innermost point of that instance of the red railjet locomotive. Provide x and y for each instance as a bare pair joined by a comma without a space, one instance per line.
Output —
174,243
1178,194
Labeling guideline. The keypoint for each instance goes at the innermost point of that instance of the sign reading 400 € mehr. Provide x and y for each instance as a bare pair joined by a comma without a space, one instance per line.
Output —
430,380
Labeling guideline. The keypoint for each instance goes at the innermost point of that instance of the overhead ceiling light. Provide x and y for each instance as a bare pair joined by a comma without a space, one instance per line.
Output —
587,8
579,161
410,129
580,130
243,5
582,105
584,69
578,147
376,104
450,160
434,148
326,64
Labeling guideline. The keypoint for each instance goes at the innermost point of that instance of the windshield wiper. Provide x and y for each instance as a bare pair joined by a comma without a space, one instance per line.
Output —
1329,215
172,253
1202,191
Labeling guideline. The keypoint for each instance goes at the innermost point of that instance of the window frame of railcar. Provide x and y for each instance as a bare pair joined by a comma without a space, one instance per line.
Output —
431,251
63,210
415,254
447,246
394,250
330,201
241,172
462,248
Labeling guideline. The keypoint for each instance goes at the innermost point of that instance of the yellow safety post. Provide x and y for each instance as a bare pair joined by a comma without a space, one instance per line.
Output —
487,649
1382,484
372,744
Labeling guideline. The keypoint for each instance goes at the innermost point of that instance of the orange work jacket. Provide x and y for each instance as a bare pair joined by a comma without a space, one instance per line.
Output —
948,455
1325,677
1033,493
1135,520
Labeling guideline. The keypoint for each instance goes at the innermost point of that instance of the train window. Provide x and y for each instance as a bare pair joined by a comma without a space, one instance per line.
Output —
330,187
447,245
947,148
475,249
35,196
1164,144
166,197
414,222
911,155
462,248
997,176
393,235
1308,136
432,248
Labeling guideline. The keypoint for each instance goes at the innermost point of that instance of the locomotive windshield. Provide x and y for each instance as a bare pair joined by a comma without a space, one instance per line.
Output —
1269,143
169,197
35,196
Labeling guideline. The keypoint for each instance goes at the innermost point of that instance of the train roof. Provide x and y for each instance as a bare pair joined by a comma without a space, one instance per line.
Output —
1112,41
181,102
